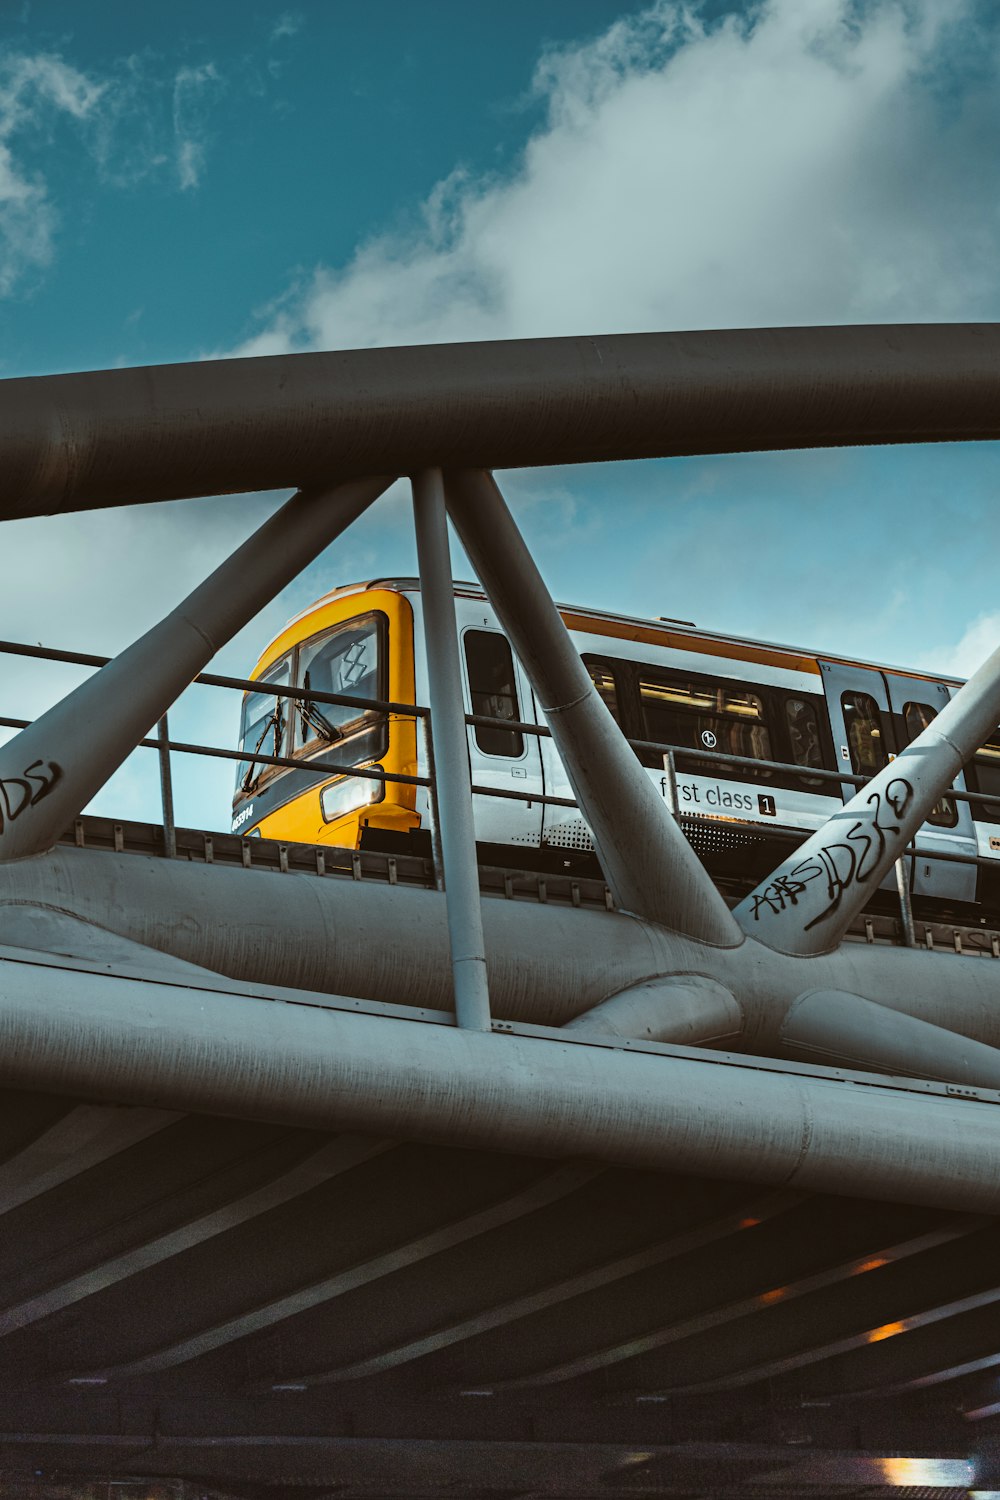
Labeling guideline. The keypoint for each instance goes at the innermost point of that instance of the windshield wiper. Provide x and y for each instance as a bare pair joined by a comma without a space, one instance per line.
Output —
273,721
311,714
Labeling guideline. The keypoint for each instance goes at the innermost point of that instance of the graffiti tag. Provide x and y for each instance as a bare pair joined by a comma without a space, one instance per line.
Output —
18,793
846,862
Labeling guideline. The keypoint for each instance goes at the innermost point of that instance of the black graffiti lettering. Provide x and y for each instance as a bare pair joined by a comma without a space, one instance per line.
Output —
850,861
785,890
46,779
17,793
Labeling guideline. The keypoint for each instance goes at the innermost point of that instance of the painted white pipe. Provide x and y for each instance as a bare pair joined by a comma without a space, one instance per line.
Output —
687,1009
831,1026
647,861
810,900
92,1035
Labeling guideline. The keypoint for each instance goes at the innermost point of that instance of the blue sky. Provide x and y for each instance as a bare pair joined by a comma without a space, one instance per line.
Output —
180,181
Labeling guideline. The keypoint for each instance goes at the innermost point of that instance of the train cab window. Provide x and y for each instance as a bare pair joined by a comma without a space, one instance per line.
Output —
603,679
805,737
719,717
493,691
865,733
347,660
916,717
262,731
985,778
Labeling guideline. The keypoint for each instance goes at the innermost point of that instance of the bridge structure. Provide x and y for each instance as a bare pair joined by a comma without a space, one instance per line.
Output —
350,1174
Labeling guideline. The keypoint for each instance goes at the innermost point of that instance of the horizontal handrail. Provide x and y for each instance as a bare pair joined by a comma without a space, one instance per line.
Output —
240,684
419,711
322,767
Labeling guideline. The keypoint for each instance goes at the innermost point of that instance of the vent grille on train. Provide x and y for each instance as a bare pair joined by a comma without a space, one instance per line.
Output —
573,834
706,835
713,835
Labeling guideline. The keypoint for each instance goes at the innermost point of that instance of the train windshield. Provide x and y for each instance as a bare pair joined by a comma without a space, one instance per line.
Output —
263,729
349,661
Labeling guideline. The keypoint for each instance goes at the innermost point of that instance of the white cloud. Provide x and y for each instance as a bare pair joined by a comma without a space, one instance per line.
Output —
190,101
979,640
289,23
808,161
33,91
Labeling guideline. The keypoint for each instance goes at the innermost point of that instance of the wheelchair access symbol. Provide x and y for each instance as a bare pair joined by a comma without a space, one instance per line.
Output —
708,739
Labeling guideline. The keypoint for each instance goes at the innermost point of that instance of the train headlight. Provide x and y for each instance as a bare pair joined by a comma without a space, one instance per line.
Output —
349,794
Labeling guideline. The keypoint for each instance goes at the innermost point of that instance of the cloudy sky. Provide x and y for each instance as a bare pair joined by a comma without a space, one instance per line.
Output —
186,180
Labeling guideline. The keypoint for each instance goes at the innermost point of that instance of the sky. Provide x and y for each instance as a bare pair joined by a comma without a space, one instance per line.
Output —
184,181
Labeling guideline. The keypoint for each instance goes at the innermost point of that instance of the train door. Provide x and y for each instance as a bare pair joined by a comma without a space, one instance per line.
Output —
508,759
949,829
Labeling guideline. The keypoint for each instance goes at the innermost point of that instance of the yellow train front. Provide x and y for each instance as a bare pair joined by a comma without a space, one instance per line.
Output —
356,642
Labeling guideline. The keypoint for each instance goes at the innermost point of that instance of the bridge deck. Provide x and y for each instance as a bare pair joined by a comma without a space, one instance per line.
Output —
410,1320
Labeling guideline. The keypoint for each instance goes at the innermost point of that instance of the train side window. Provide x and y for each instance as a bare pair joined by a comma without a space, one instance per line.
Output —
348,660
916,717
805,737
603,679
865,733
985,778
719,717
493,691
262,730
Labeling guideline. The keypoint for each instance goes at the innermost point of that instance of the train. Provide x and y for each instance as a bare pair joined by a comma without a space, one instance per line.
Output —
794,722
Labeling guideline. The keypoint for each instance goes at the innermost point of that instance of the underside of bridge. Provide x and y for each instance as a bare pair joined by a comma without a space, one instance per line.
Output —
382,1176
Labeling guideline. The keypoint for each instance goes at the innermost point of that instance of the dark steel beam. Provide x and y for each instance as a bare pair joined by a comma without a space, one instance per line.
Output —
329,1160
731,1312
119,437
84,1136
500,1315
548,1188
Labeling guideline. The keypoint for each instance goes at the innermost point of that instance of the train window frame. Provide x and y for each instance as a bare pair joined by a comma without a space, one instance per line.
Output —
610,664
486,737
802,780
372,724
944,813
883,717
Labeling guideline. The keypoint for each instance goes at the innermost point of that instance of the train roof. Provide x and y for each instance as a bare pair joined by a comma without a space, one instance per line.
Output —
474,590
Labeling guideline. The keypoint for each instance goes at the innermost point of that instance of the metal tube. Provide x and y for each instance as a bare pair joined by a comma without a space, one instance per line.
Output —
547,963
451,754
649,865
51,770
809,901
432,802
90,1035
167,792
831,1026
905,904
684,1008
670,771
120,437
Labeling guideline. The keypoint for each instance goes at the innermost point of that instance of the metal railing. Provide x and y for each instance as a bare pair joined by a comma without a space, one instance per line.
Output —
319,766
